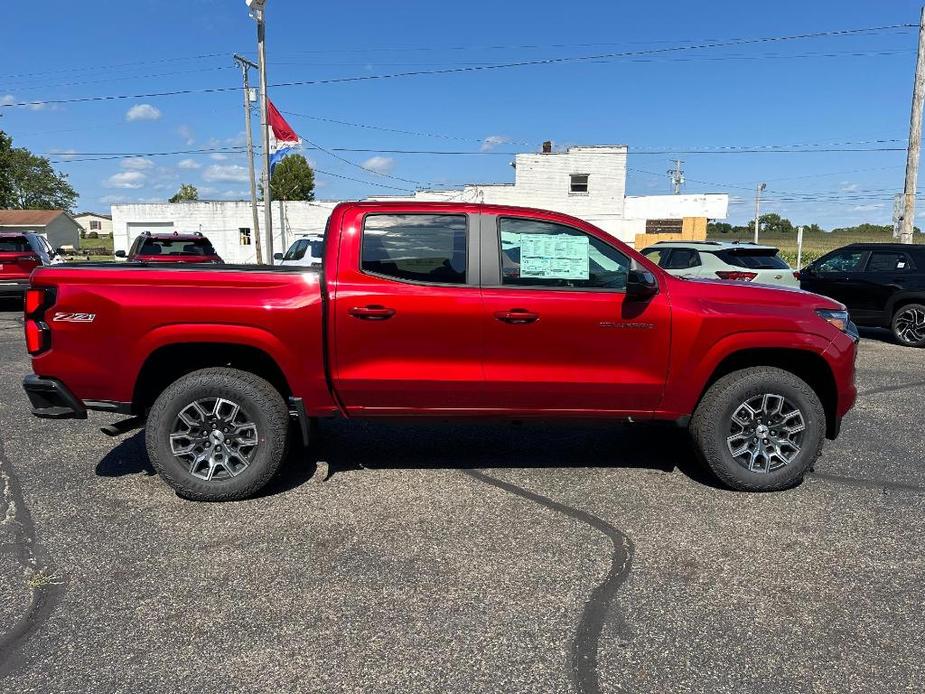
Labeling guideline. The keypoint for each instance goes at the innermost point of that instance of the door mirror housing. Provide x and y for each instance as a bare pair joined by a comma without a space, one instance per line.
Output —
120,254
277,256
640,285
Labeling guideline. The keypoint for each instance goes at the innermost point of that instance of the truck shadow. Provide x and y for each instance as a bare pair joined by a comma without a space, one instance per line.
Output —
381,445
10,304
351,446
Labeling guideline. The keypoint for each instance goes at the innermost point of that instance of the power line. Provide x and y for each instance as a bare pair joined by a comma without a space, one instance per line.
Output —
481,68
113,66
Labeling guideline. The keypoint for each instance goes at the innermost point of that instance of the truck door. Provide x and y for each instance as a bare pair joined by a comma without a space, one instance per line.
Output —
406,312
840,276
559,333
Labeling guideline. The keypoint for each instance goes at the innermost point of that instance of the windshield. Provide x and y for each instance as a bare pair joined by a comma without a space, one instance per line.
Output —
298,249
176,247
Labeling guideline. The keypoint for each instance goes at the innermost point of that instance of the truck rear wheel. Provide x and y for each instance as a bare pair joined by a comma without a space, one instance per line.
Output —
217,434
759,429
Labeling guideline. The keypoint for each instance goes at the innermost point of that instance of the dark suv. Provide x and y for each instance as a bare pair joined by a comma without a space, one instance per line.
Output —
882,284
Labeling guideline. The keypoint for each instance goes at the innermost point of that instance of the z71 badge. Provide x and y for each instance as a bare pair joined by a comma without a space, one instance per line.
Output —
74,317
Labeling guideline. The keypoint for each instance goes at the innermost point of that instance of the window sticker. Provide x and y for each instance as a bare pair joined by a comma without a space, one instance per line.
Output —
559,256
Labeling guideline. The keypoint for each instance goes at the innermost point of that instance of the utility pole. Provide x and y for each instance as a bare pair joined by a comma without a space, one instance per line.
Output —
258,12
245,65
760,188
677,176
915,139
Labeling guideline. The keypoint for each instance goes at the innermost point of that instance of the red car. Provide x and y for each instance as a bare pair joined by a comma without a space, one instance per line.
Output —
20,253
176,247
438,309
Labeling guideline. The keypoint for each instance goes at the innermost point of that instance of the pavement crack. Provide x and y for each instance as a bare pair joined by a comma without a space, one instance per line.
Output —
45,587
885,485
585,645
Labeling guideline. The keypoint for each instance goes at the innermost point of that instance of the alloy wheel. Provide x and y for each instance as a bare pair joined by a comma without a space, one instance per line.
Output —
765,433
910,325
214,438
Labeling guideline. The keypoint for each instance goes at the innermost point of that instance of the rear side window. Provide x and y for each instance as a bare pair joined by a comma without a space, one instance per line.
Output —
659,256
416,247
754,259
545,254
682,258
14,244
887,261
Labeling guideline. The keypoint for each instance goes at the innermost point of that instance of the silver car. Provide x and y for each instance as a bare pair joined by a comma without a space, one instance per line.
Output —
744,262
305,251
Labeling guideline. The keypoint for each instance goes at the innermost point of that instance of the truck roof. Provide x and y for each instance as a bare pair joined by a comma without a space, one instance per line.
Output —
180,235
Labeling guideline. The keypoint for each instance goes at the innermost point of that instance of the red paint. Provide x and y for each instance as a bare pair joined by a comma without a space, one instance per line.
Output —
407,348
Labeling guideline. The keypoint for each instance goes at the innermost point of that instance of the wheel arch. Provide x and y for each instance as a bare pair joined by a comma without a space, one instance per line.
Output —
807,365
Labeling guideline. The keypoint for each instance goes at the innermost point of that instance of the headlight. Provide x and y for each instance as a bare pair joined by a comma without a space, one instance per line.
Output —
839,319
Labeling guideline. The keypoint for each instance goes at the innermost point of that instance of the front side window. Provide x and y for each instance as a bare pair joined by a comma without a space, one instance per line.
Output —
416,247
886,261
842,261
297,250
546,254
659,256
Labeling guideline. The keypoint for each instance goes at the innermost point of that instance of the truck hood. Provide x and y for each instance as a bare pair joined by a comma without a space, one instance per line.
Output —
747,293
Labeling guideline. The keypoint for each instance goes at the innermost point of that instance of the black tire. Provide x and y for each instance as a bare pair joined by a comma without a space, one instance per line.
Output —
907,334
264,409
713,421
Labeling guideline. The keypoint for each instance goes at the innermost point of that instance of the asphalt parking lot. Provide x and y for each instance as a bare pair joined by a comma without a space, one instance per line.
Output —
458,558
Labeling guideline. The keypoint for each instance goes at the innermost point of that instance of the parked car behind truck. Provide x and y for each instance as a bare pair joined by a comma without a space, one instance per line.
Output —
20,253
443,310
173,247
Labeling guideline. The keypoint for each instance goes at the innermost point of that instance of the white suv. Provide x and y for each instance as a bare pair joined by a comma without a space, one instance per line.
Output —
745,262
306,251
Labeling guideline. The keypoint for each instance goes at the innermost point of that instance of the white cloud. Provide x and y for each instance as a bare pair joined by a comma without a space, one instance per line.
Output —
142,112
217,157
867,208
136,163
118,199
236,194
379,164
188,164
229,172
7,100
126,179
65,154
492,141
848,187
186,132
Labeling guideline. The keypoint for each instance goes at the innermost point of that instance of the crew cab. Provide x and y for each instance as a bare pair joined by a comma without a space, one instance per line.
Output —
175,247
438,310
20,253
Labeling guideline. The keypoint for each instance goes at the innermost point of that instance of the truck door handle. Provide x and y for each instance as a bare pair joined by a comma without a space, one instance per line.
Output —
372,312
517,316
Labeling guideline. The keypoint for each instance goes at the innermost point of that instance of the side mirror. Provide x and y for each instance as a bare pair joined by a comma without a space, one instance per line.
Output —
120,254
277,256
640,285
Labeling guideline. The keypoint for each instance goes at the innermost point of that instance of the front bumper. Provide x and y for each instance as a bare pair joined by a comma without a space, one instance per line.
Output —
51,399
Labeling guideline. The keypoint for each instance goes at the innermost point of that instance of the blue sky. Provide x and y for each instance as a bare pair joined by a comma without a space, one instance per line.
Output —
821,92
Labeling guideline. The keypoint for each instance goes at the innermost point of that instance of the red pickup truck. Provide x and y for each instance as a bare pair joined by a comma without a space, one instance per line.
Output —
438,309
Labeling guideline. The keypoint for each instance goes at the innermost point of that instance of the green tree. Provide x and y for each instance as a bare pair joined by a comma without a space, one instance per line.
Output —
293,179
28,182
775,224
187,192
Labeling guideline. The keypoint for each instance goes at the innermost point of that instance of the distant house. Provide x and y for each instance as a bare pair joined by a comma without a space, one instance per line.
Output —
93,221
55,225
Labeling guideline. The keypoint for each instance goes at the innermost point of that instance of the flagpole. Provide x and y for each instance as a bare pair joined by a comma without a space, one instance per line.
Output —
260,16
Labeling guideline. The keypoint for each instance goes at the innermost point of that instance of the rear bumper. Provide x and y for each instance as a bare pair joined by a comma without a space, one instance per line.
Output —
15,287
51,399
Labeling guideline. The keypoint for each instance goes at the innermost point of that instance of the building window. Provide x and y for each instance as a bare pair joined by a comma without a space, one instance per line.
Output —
244,236
664,226
95,225
578,184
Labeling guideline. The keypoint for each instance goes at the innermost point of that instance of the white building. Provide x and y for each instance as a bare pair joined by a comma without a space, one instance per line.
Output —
588,182
92,221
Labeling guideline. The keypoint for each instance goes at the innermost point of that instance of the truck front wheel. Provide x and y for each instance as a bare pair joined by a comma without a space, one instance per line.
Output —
217,434
759,429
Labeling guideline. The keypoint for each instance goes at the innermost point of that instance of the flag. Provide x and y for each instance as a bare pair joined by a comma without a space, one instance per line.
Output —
282,137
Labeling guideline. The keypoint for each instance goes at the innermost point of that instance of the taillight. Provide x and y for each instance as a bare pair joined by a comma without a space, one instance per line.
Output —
28,260
736,275
796,275
38,334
